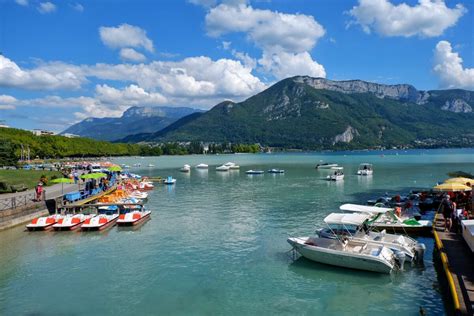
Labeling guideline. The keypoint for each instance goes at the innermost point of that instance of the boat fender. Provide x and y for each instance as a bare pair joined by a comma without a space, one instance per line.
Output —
419,252
400,256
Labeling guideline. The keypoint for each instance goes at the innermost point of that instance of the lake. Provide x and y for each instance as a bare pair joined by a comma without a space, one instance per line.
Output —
216,244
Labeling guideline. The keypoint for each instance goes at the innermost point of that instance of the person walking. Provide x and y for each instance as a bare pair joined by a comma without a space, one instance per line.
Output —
39,191
448,208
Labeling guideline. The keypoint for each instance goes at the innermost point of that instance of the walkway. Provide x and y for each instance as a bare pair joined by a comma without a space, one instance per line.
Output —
459,260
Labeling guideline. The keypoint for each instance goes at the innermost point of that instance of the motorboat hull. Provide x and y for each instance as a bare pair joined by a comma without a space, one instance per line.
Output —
339,258
326,166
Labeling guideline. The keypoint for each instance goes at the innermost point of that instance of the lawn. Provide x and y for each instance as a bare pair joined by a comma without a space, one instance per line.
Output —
29,178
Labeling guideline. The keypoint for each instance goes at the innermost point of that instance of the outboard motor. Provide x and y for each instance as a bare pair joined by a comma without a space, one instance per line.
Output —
400,257
419,252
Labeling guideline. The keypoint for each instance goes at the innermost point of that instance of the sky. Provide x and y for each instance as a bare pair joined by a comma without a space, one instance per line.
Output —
64,61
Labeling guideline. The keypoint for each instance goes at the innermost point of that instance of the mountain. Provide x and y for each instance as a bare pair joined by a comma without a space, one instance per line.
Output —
135,120
316,113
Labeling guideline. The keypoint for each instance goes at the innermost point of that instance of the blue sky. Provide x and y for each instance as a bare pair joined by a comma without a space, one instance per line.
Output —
63,61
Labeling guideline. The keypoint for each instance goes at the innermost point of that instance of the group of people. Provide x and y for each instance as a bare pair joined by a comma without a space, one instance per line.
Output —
454,207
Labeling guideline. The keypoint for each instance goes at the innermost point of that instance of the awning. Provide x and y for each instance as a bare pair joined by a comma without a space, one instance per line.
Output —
346,219
364,209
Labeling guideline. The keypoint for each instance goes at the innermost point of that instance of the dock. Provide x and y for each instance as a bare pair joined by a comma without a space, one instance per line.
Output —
92,198
458,265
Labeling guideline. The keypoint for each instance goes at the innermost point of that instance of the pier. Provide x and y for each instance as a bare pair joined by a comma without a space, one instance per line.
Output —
458,265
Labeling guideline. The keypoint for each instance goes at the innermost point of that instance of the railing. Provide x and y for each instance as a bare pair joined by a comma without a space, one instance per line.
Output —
18,201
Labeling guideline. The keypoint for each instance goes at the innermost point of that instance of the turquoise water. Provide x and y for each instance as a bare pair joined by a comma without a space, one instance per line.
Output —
216,244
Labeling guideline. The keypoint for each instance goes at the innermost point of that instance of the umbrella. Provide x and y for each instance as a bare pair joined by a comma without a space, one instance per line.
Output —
460,180
115,168
93,175
452,187
62,181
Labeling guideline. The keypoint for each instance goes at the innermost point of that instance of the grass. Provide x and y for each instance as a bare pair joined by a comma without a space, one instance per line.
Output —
29,178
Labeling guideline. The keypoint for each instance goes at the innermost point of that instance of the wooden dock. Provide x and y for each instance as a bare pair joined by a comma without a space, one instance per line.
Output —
92,198
458,265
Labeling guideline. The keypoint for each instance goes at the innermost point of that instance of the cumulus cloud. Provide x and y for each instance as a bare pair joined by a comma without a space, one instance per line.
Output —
125,35
22,2
78,7
7,102
46,7
429,18
281,36
11,75
131,95
449,68
131,55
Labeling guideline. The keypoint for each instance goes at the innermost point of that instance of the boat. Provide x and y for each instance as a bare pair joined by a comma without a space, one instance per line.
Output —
365,169
354,226
138,195
231,165
326,165
151,165
169,180
202,166
106,218
252,172
276,171
133,217
145,185
43,222
346,253
71,221
186,168
337,168
383,218
222,168
337,176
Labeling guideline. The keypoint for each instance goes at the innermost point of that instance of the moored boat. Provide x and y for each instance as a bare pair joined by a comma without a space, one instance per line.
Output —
254,172
202,166
337,176
276,171
326,165
71,221
106,218
185,168
133,217
365,169
222,168
43,223
169,180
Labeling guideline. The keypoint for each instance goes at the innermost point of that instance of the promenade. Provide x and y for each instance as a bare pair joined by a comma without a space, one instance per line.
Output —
458,264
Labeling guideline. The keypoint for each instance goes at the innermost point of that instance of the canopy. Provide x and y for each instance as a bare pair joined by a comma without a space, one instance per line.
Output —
364,209
365,164
115,168
94,175
346,219
452,187
460,180
62,180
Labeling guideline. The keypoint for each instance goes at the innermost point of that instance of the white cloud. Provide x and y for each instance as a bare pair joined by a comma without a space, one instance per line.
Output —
204,3
7,102
11,75
125,35
7,107
131,55
46,7
284,65
449,68
22,2
429,18
78,7
282,37
131,95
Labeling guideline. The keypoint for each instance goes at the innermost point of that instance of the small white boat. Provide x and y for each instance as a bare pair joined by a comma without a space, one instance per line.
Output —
234,167
337,176
252,172
186,168
169,180
385,218
222,168
229,164
145,186
276,171
354,226
43,223
137,164
139,195
365,169
202,166
326,165
346,253
71,221
151,165
134,217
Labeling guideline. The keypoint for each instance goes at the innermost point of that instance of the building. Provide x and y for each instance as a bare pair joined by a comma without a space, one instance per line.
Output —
69,135
41,132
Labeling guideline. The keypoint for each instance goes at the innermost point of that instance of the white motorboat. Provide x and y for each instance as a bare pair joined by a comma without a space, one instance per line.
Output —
254,172
169,180
353,226
385,218
365,169
43,222
326,165
71,221
202,166
346,253
337,176
151,165
222,168
276,171
186,168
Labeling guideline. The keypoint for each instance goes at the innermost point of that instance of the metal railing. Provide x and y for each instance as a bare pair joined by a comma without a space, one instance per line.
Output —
18,201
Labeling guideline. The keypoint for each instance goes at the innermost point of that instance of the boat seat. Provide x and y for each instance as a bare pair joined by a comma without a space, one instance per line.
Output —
359,249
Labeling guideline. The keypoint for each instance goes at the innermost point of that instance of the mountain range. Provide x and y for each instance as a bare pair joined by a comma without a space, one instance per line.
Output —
134,120
316,113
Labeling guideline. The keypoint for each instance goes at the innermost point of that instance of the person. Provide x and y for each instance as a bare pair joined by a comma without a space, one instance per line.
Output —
448,208
76,176
39,191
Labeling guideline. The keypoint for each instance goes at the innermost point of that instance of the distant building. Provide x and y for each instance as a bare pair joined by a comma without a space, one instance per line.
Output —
41,132
69,135
4,126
